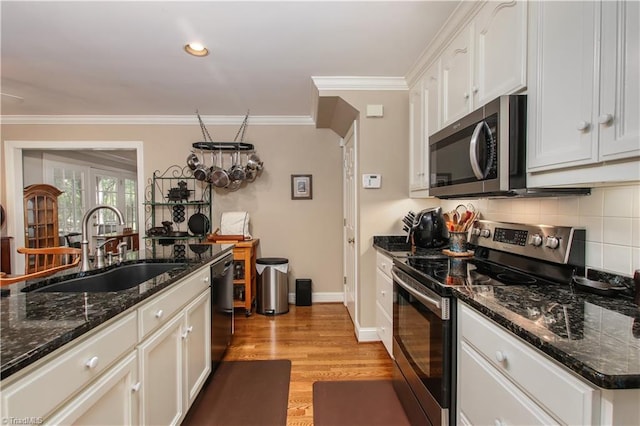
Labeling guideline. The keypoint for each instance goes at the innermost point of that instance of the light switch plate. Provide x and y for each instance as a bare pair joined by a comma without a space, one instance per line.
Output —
371,180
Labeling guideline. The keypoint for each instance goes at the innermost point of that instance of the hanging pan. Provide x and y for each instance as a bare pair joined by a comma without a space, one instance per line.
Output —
219,177
198,223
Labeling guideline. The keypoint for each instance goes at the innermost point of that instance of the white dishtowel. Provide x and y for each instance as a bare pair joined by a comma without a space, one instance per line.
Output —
235,223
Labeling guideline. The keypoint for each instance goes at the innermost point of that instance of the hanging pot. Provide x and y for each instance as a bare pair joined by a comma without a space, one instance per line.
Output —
200,172
219,177
236,172
193,161
253,162
198,223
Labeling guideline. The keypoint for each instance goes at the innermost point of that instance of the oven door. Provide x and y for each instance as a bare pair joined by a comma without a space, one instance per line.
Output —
423,346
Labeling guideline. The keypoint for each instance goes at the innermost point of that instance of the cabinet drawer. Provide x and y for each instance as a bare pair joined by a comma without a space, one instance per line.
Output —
483,386
48,386
384,327
384,292
569,398
384,263
164,306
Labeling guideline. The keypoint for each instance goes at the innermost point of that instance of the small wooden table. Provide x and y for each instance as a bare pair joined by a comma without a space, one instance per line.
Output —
245,252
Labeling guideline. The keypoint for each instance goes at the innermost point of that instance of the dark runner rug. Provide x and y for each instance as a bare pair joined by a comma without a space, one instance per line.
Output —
357,403
244,393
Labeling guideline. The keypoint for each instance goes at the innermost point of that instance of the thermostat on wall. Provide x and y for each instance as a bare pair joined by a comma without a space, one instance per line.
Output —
371,180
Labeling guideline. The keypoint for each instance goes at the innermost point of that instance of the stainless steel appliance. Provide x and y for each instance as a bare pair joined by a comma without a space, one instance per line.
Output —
424,328
221,307
484,154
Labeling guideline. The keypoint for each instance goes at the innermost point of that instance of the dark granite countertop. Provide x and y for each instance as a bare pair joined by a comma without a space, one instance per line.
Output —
594,336
34,324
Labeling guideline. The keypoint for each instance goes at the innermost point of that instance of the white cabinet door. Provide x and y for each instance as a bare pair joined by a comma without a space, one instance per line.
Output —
417,177
561,93
486,397
431,95
112,400
500,50
619,116
197,346
161,370
457,65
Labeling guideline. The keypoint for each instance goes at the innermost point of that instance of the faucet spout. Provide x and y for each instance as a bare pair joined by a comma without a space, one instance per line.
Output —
84,244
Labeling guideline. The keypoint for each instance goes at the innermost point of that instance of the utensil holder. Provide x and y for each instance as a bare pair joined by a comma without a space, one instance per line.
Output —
458,242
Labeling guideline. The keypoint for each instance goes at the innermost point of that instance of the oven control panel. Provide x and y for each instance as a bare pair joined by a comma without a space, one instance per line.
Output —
558,244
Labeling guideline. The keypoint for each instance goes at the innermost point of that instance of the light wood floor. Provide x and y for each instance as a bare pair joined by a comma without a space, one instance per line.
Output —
320,342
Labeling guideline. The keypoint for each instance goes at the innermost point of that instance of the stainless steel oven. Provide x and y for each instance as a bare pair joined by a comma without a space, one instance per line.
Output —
423,347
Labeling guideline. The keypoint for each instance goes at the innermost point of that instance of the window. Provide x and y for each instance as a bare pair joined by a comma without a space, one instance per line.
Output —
70,179
116,189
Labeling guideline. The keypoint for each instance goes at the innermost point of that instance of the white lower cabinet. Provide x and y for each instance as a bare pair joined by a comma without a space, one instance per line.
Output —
161,375
484,387
174,364
384,301
145,366
502,380
112,400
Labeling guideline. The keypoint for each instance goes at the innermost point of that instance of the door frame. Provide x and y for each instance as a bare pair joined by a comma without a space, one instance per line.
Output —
353,131
14,181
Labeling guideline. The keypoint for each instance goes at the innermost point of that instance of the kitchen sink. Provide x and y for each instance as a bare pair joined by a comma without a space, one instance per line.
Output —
117,279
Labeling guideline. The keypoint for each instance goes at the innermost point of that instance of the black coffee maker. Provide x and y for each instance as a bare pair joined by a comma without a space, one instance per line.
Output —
426,229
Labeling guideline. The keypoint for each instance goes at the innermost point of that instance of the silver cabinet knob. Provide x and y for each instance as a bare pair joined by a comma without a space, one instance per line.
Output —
583,126
605,119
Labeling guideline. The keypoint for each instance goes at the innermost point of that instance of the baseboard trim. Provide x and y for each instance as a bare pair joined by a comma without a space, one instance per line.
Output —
327,297
367,334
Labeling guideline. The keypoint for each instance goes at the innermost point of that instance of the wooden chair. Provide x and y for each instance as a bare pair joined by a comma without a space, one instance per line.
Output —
42,262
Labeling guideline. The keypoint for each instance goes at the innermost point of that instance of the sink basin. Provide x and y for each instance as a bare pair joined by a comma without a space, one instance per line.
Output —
117,279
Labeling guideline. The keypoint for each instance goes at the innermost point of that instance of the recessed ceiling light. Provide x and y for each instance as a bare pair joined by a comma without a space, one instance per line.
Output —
196,49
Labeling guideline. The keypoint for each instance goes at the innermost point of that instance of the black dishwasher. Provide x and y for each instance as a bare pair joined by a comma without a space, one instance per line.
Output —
221,308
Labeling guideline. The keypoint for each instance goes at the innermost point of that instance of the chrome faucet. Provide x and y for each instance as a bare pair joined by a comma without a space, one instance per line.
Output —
100,256
86,266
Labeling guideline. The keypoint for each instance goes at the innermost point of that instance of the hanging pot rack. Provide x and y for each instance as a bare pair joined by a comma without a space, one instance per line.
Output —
239,173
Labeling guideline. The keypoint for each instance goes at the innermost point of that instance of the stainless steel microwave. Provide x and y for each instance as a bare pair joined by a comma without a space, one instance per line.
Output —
484,154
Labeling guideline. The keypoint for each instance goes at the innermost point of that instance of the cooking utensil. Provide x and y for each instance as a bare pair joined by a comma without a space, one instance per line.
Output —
253,162
598,287
219,177
236,172
200,172
199,248
198,223
193,161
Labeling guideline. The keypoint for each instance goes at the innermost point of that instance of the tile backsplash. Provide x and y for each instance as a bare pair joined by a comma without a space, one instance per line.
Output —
610,215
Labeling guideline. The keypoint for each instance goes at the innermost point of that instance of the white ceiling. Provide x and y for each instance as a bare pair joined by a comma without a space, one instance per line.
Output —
126,58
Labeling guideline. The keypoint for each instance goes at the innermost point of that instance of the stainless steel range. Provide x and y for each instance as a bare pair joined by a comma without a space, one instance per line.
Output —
424,307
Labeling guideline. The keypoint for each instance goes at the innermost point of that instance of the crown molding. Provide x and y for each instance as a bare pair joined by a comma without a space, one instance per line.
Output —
360,83
460,17
173,120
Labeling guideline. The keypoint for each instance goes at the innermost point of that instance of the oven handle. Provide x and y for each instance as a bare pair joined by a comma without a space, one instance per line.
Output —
473,151
426,300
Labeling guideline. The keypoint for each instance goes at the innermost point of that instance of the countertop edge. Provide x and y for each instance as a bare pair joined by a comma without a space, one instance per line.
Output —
605,381
17,364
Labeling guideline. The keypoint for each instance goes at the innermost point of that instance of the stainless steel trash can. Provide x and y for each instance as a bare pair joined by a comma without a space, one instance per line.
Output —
273,285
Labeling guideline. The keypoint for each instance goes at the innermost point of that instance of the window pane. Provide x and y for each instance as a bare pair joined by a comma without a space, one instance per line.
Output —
70,202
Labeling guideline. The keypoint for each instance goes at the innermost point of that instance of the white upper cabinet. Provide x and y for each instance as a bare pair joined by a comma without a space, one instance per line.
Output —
457,63
618,116
500,37
417,174
431,95
583,87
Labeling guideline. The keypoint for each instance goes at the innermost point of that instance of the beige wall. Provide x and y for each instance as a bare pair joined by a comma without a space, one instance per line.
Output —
308,233
383,149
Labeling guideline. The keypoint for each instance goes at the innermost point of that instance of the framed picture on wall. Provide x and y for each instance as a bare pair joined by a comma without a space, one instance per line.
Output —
301,187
